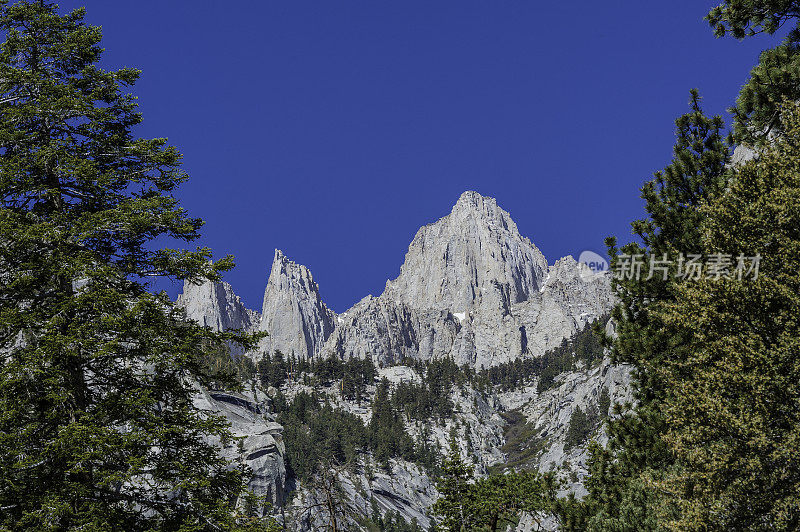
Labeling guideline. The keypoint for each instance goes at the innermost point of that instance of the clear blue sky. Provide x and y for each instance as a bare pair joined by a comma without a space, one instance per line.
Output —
334,129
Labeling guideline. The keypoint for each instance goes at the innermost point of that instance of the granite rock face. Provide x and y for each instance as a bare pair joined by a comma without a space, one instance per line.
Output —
474,289
741,155
262,448
389,331
471,288
293,314
214,304
475,250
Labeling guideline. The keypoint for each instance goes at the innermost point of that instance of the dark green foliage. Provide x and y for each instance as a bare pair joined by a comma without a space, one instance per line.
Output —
619,496
777,75
353,375
98,430
423,401
392,521
745,18
497,501
357,375
430,398
491,503
585,346
522,442
327,370
272,370
673,196
553,364
315,432
227,371
604,403
387,429
581,426
453,486
417,402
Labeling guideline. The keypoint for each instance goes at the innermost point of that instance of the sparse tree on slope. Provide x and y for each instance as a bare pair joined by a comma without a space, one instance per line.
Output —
453,487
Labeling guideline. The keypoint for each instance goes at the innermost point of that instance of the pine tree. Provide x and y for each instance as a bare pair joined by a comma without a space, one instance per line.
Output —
97,374
500,500
746,18
732,416
671,468
581,425
604,403
777,75
622,476
454,488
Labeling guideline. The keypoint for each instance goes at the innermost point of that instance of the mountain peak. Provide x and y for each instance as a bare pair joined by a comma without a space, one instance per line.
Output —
280,258
471,199
287,272
472,207
454,261
293,312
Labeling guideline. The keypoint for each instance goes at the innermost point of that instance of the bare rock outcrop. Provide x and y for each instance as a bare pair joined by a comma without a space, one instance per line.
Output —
293,314
261,446
472,288
452,263
214,304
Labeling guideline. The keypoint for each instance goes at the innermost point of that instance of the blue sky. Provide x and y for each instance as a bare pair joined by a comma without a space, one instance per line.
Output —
335,129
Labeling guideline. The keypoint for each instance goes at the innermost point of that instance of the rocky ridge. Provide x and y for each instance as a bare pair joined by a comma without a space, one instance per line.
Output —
215,305
471,288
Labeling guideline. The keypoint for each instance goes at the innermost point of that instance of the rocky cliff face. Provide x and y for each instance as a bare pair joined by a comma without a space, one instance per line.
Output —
260,446
297,320
476,250
293,314
216,306
474,289
471,288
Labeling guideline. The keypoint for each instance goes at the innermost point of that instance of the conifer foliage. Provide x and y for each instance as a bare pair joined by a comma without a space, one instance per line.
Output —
777,75
490,503
712,443
621,493
97,426
732,414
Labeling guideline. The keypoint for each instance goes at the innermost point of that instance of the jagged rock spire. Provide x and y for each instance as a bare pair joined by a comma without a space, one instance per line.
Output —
293,314
471,288
474,289
214,304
